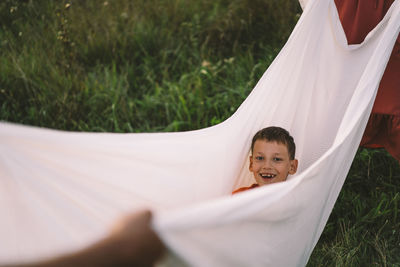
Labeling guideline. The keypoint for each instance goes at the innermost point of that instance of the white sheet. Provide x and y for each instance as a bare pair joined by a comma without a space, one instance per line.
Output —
60,191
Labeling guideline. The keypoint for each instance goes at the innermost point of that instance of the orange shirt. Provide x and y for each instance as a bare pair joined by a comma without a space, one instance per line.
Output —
245,188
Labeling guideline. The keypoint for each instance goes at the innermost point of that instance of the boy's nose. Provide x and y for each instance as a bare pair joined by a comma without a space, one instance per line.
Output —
267,164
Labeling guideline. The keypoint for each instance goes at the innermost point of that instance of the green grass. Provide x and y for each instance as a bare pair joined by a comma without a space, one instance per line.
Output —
174,65
364,227
137,66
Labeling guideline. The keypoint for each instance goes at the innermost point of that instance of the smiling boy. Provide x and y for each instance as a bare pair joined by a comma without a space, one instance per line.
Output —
272,157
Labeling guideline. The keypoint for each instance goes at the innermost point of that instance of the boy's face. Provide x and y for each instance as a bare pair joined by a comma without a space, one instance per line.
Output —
270,162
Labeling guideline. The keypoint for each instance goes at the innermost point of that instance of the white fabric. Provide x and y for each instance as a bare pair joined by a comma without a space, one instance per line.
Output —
60,191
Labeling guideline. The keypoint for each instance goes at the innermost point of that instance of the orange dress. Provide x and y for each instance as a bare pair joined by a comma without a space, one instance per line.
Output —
245,188
358,18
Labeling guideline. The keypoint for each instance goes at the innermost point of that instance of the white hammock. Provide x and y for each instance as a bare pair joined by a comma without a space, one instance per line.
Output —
60,191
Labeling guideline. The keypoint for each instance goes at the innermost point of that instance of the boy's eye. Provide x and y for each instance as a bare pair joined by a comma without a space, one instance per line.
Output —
277,159
259,158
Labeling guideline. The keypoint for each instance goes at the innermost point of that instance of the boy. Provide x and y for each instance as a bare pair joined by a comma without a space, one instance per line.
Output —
272,157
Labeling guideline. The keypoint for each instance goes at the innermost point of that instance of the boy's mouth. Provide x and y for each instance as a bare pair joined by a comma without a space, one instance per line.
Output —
267,175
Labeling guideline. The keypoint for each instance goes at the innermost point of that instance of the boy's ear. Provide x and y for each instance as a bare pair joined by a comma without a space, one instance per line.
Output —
293,166
251,163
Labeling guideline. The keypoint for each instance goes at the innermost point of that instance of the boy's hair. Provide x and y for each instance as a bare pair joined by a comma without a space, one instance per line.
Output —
276,134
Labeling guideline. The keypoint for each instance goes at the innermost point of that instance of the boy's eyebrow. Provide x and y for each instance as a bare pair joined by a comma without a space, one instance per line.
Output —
274,154
278,154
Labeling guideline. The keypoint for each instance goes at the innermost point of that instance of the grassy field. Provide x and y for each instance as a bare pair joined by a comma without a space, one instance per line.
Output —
173,65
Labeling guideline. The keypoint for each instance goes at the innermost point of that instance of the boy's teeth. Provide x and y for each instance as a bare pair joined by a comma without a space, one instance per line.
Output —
267,175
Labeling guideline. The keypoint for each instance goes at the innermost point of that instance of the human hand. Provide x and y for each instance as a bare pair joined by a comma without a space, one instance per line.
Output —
134,242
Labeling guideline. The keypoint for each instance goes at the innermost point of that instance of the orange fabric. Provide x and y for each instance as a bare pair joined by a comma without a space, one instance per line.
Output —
383,131
358,18
245,188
